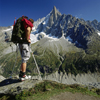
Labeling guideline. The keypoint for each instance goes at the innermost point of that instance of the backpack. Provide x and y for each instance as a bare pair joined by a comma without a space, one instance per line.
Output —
18,33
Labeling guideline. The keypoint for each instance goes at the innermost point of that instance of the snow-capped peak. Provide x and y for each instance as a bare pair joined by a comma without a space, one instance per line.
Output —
9,29
46,19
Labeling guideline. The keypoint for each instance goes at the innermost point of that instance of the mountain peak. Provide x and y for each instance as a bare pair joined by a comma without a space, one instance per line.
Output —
54,16
54,8
55,11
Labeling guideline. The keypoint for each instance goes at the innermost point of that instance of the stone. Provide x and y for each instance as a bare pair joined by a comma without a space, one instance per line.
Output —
13,86
2,78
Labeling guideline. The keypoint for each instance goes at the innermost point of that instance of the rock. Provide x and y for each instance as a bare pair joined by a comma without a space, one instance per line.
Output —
13,86
2,78
40,36
88,79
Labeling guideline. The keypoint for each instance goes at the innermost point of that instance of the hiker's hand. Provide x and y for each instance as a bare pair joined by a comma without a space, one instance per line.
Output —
29,41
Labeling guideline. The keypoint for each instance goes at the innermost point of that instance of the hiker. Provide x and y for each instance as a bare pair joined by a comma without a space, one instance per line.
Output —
25,47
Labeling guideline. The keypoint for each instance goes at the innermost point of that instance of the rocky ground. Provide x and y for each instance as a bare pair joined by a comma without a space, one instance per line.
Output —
13,87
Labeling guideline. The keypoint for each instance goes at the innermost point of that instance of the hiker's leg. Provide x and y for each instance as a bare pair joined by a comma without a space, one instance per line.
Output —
25,56
23,67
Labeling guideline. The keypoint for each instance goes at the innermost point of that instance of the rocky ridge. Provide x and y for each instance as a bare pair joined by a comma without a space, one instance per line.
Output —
81,32
13,86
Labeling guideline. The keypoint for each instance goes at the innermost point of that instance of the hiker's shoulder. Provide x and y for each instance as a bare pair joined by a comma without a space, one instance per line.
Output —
26,21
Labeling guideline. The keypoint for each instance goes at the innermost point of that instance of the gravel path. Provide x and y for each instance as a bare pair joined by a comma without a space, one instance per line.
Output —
73,96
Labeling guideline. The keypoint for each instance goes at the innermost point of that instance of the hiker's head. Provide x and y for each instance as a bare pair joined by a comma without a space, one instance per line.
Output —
31,20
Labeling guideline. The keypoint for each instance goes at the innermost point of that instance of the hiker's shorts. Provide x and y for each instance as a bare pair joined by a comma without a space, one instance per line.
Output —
25,51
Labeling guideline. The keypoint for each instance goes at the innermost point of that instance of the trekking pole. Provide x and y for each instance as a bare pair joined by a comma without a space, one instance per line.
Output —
15,60
36,66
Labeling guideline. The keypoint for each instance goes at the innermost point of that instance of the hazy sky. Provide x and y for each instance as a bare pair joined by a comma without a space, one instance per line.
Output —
9,9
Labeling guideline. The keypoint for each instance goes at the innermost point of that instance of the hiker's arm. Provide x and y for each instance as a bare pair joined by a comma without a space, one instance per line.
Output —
28,31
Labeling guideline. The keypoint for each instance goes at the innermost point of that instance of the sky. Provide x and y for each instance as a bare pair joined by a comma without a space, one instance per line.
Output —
35,9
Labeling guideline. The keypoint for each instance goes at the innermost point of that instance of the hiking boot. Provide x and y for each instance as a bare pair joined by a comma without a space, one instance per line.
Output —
23,78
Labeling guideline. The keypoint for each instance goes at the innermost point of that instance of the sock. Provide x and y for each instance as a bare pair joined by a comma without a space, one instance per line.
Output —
22,73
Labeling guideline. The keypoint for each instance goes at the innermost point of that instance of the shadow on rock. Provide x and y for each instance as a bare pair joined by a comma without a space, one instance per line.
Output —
8,81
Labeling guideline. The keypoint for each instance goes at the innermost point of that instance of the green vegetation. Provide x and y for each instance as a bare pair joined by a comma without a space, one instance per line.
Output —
80,63
47,89
8,62
47,63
